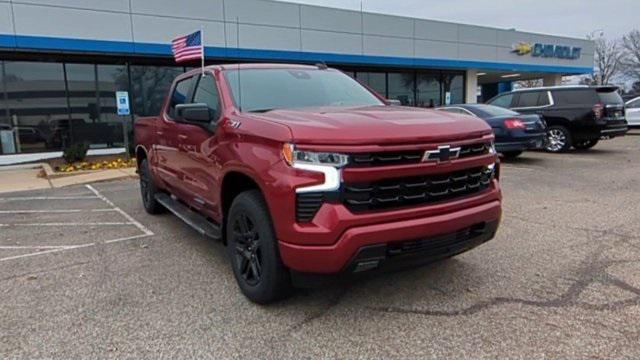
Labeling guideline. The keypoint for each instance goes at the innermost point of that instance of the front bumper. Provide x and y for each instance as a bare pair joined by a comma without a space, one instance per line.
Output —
480,212
521,144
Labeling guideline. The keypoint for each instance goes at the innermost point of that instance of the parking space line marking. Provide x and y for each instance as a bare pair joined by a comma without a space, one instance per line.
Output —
53,211
18,247
45,252
518,167
47,198
127,238
127,216
70,224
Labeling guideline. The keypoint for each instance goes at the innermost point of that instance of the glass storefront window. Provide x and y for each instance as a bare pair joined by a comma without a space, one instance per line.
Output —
428,90
454,85
83,101
401,87
112,78
37,103
150,85
377,81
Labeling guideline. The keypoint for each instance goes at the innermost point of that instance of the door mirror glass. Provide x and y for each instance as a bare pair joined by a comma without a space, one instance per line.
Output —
197,113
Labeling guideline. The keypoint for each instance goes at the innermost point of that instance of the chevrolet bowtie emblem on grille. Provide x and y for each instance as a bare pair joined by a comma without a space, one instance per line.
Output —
444,153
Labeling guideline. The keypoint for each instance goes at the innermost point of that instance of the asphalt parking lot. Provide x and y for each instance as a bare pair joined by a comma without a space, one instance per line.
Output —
86,273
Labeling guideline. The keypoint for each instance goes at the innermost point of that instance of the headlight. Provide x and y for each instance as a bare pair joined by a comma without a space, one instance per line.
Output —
492,148
328,164
293,156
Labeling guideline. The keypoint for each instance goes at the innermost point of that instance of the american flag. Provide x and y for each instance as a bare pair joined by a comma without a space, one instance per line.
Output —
188,47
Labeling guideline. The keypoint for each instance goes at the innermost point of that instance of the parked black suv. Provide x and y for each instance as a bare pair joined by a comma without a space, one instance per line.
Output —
577,116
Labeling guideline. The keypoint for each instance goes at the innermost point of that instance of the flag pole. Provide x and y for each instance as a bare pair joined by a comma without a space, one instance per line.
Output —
202,46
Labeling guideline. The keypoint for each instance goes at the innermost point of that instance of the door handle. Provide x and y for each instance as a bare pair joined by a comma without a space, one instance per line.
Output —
183,137
159,133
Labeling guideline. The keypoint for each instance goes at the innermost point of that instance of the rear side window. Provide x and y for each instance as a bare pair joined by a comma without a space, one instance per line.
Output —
610,97
528,99
634,104
207,93
455,111
503,101
179,95
575,97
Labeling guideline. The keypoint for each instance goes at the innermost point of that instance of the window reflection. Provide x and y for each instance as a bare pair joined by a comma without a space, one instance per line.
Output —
150,84
454,85
112,78
428,88
37,103
401,87
377,81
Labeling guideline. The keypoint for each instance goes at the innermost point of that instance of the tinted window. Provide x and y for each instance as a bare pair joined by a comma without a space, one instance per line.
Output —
207,93
610,97
179,95
528,99
502,101
112,78
490,111
264,89
575,97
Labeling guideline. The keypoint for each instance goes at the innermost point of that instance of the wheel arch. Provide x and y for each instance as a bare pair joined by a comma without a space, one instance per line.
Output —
233,183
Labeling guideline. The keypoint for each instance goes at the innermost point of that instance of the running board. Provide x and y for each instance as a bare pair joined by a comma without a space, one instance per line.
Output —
192,218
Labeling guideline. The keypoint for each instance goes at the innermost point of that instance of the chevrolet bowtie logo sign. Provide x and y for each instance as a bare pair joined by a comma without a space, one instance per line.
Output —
443,154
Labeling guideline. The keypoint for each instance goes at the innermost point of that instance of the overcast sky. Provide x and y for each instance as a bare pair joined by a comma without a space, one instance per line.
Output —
575,18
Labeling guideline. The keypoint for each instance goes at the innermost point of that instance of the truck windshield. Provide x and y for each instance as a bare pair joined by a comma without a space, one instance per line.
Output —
261,90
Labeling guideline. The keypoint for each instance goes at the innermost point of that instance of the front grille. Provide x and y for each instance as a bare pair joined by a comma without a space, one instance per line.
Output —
439,245
392,193
411,156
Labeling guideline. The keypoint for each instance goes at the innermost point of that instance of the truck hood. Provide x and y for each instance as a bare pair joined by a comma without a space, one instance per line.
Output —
375,125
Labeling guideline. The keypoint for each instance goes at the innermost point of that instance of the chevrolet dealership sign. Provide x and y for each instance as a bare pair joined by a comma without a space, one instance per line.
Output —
547,50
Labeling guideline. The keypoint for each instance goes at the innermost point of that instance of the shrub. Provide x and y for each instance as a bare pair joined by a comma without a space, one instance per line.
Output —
75,153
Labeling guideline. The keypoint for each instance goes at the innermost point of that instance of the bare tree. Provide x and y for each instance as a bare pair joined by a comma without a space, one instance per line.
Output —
631,59
608,58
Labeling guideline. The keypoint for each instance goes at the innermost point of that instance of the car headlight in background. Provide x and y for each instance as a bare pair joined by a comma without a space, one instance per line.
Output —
322,162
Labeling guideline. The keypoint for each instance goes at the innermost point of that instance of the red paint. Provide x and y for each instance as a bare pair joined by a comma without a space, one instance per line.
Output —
190,162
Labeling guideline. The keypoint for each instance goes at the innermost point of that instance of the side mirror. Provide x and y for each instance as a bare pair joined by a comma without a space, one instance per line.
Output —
394,102
197,114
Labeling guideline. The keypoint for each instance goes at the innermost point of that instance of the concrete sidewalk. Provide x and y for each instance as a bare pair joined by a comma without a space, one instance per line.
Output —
25,177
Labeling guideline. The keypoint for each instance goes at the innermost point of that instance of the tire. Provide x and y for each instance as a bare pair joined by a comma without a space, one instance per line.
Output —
558,139
148,190
585,144
253,250
511,154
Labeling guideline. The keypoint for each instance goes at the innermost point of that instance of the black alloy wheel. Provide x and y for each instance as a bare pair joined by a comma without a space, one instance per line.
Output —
247,249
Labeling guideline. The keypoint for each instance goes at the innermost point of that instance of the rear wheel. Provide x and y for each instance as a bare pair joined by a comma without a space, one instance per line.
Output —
558,139
148,190
253,250
511,154
585,144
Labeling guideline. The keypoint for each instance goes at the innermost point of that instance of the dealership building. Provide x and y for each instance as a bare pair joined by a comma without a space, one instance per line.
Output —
62,61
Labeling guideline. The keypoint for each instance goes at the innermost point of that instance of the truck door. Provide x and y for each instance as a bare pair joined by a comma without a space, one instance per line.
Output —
167,132
199,163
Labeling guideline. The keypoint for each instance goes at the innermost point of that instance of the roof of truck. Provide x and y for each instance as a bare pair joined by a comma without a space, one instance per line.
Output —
262,66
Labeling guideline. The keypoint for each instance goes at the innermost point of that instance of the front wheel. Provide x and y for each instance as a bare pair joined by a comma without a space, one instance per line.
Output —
558,139
148,190
253,250
585,144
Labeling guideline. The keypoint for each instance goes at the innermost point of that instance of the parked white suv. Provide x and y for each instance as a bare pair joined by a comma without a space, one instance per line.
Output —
632,111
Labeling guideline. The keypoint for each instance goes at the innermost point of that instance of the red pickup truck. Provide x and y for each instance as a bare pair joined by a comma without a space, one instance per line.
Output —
301,171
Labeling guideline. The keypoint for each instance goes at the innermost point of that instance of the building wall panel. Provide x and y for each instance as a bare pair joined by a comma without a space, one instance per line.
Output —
195,9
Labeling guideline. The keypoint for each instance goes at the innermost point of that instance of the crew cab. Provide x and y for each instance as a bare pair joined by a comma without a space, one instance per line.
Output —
303,172
577,116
